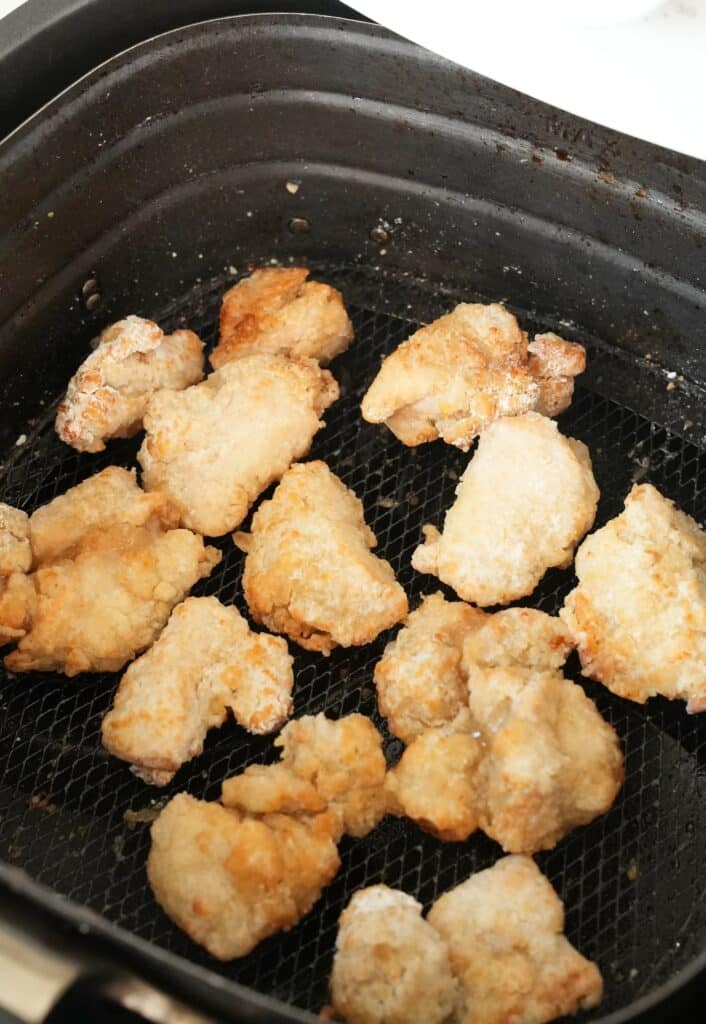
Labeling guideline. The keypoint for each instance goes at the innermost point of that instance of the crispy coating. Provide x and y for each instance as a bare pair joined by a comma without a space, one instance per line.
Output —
277,310
420,679
309,570
435,781
213,448
229,880
15,550
503,930
205,662
550,761
638,614
390,965
109,498
326,765
107,396
17,603
523,503
453,378
97,609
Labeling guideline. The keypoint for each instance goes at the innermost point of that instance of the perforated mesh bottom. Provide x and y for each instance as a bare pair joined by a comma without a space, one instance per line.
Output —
632,881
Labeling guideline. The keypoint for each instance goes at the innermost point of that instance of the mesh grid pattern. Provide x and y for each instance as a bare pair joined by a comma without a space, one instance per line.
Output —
631,882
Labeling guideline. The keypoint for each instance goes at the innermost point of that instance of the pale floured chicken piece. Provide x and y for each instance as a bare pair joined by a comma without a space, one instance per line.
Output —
420,679
435,783
277,310
229,880
309,570
206,662
550,761
503,929
213,448
107,396
15,549
638,614
390,965
17,604
326,765
525,500
109,498
453,378
95,610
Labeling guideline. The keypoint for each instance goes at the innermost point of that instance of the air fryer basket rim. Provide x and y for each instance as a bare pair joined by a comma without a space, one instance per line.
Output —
121,940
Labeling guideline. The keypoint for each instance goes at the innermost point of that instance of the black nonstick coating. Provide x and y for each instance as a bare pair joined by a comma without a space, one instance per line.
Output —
631,882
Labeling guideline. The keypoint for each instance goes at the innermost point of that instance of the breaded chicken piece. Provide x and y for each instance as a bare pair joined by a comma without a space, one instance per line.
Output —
309,570
420,679
390,965
550,761
638,614
228,880
503,930
206,661
213,448
107,396
523,503
97,609
435,781
277,310
17,603
109,498
15,550
453,378
326,765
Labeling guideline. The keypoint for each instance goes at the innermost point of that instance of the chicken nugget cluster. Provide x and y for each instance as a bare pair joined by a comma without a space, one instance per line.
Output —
233,872
490,951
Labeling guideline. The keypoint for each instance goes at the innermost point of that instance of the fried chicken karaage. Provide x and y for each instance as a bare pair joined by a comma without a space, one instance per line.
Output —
638,614
420,679
277,310
453,378
503,931
230,880
390,965
107,396
525,500
309,570
326,765
213,448
206,661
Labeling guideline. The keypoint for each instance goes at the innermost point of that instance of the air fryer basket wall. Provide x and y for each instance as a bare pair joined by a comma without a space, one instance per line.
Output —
160,177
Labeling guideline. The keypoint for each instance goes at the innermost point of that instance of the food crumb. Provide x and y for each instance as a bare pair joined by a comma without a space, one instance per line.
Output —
632,871
386,502
452,474
671,386
292,187
118,844
232,270
412,499
22,439
144,814
50,214
40,803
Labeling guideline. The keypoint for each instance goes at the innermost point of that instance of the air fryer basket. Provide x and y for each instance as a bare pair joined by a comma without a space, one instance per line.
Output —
149,188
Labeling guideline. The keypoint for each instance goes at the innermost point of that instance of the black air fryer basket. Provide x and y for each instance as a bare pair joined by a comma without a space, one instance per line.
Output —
153,184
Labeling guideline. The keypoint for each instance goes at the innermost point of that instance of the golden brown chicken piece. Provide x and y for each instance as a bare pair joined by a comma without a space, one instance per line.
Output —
96,609
15,550
420,679
109,498
503,930
525,500
17,603
638,614
206,662
309,570
550,761
230,880
213,448
436,780
107,396
453,378
277,310
326,765
390,965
